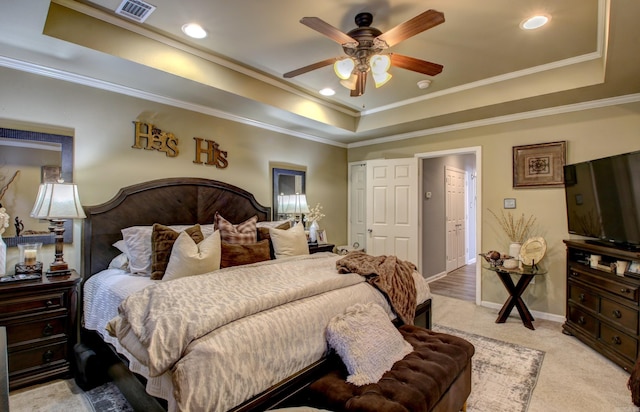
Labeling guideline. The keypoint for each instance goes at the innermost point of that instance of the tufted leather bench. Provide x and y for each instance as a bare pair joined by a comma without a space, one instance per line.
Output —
435,377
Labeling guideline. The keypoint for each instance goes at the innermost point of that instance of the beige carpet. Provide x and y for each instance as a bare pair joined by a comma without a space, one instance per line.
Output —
573,376
55,396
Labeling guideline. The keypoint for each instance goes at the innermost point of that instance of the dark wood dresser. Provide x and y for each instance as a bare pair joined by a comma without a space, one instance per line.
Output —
602,307
40,319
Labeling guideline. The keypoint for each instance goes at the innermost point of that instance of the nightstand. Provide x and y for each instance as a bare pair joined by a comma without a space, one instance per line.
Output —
321,247
40,319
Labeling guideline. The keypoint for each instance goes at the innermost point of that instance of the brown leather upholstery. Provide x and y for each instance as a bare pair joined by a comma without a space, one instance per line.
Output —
436,376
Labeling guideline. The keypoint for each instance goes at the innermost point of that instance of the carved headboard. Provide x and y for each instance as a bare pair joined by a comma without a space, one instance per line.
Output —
171,201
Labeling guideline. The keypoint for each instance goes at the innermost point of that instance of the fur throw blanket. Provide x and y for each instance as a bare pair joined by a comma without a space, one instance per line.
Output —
390,275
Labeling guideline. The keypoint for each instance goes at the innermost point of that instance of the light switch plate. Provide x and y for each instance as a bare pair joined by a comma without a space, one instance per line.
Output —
509,203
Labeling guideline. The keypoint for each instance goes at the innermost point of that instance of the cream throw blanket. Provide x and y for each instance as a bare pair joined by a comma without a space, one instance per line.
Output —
392,276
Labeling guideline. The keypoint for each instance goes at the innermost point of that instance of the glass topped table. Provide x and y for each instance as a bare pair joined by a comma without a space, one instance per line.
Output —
515,291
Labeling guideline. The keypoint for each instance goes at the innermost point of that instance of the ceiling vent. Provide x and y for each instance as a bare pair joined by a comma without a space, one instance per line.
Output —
135,10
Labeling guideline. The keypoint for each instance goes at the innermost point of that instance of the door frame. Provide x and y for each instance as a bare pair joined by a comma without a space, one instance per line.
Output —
477,151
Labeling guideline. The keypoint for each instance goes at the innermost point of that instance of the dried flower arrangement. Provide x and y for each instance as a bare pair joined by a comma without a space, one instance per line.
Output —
315,213
516,229
5,187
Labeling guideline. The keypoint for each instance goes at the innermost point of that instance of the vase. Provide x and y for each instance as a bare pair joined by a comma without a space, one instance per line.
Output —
3,257
313,232
514,250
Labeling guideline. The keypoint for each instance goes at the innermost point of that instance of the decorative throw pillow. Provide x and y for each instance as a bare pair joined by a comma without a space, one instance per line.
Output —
162,240
188,258
137,240
237,254
367,342
263,233
290,242
242,233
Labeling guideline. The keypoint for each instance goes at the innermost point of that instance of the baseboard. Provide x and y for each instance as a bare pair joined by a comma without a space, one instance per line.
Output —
536,315
436,277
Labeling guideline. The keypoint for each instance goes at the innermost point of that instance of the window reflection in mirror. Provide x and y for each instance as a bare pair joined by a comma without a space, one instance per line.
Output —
36,157
286,182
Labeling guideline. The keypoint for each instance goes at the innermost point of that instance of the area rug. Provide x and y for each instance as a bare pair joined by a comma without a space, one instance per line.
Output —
503,375
108,398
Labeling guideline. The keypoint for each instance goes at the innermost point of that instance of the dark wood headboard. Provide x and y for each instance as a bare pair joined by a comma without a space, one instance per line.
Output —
171,201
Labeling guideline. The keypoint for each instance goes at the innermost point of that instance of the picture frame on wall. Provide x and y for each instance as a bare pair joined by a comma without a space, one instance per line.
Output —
539,165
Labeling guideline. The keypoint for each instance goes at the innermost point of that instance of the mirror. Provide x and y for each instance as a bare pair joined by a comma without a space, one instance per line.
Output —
35,155
286,182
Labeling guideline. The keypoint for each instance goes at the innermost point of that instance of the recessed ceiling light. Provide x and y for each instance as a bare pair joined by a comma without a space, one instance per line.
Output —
194,30
327,91
534,22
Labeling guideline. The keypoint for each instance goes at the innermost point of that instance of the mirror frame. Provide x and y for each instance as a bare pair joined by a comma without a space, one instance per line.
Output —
277,172
66,172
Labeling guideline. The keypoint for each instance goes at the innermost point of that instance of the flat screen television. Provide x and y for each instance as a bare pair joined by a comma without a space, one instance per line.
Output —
603,199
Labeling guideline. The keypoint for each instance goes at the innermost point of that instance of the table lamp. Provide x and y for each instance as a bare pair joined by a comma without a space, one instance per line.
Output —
57,202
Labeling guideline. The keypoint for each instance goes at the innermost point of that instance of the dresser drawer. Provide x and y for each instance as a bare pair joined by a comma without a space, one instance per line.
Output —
37,357
610,285
31,303
35,327
619,341
584,321
583,296
619,314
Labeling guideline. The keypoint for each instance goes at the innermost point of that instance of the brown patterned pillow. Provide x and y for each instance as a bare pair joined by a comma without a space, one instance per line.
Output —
263,233
162,240
238,254
242,233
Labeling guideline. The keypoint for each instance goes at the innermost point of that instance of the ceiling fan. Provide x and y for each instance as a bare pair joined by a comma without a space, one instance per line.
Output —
363,46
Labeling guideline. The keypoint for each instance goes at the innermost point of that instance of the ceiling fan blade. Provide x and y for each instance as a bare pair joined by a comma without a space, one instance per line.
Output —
328,30
309,68
416,65
418,24
361,83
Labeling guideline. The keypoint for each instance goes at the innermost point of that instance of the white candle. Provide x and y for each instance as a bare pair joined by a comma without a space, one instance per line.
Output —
30,257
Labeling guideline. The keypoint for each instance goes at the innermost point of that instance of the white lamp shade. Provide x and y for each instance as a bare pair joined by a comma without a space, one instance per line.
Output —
380,63
58,201
295,204
381,78
344,67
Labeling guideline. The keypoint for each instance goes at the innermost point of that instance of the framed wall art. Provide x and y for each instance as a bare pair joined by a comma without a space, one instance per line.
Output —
539,165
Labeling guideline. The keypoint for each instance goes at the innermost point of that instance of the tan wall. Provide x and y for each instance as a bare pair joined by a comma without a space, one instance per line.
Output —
104,161
589,134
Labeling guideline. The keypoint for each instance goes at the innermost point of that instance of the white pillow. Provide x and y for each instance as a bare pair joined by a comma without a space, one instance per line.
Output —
289,242
367,342
188,258
120,262
137,240
272,223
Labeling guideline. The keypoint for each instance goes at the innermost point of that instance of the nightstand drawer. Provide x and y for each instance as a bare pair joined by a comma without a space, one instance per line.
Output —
37,357
31,303
35,327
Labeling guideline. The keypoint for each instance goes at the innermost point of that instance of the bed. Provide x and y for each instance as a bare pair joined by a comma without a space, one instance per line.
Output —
187,201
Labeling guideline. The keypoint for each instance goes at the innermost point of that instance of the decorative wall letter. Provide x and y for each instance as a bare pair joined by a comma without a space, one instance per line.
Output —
156,139
215,156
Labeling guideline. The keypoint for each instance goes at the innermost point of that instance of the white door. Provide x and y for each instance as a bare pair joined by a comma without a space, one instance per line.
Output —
455,213
392,208
357,205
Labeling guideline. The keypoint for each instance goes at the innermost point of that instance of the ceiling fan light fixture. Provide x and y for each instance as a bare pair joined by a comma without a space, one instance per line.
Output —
194,30
350,83
381,79
379,63
344,68
534,22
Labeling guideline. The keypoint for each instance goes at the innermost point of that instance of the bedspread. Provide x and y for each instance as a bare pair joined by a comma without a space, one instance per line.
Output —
157,323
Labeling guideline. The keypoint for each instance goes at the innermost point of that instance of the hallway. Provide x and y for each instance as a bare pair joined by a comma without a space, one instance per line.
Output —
458,284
